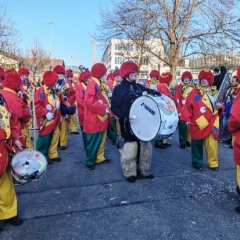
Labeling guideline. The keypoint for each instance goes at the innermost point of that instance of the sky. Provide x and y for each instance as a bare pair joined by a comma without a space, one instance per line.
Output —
73,22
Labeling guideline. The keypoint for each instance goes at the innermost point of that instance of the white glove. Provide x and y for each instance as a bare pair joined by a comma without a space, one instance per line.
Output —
110,94
107,110
49,116
18,144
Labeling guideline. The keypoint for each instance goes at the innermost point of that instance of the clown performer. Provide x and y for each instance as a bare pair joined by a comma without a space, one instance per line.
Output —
71,85
97,113
112,131
181,93
85,78
163,87
202,116
135,155
9,144
2,76
153,82
26,93
67,96
234,128
48,116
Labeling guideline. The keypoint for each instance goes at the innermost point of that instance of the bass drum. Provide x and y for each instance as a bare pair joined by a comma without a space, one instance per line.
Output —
153,118
28,165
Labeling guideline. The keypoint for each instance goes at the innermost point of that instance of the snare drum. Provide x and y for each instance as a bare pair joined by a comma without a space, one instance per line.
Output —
28,165
153,117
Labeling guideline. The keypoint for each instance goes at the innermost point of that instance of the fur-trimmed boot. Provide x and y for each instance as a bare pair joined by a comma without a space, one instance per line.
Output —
128,158
145,159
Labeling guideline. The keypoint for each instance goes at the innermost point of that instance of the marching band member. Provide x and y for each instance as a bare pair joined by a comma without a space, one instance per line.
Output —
164,82
153,82
181,93
133,164
26,93
112,131
48,116
227,105
202,116
71,85
9,143
67,96
96,111
84,79
21,109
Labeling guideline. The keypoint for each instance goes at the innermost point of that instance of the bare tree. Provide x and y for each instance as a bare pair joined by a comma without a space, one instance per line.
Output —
184,27
38,58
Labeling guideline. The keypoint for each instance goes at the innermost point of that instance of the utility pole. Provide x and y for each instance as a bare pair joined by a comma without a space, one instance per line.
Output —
52,53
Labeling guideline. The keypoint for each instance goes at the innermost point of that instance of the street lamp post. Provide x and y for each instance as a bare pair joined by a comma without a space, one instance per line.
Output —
52,53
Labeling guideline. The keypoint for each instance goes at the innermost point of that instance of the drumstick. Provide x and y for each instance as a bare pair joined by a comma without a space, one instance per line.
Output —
133,117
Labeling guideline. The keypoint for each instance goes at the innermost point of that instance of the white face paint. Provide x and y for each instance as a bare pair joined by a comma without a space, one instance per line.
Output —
61,76
186,80
154,78
132,76
204,83
103,78
118,79
88,80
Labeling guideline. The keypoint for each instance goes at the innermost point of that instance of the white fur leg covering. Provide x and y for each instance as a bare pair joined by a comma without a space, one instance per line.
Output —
129,159
145,158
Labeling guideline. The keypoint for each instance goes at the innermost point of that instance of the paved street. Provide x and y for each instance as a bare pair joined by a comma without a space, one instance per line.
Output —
71,202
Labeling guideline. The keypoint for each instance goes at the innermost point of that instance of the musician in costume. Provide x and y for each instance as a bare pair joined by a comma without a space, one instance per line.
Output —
202,116
67,96
2,76
9,144
153,81
135,155
164,82
47,105
26,93
181,94
72,118
227,105
97,113
112,131
234,128
84,79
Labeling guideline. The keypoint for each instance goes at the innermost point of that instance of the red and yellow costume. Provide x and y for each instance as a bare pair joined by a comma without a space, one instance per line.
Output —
181,94
153,81
46,101
234,128
203,121
9,132
95,111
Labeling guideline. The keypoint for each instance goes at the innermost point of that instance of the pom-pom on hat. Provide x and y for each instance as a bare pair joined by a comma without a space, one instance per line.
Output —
50,78
111,76
2,73
128,67
69,73
165,77
154,73
9,70
59,69
206,73
98,70
23,71
12,81
187,74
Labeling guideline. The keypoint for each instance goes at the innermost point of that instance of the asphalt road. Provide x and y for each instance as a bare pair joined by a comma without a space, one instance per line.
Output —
71,202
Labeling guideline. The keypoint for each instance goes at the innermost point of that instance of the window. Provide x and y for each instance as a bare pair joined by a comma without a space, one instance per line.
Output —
145,61
118,60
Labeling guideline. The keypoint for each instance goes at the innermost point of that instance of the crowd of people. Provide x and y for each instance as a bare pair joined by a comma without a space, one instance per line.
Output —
101,103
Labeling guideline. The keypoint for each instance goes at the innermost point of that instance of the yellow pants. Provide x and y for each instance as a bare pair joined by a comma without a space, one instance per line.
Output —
52,151
73,122
238,176
64,133
27,136
188,135
211,147
8,199
100,153
233,139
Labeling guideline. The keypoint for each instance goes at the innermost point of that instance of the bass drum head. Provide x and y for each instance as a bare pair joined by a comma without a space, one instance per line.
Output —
146,125
28,165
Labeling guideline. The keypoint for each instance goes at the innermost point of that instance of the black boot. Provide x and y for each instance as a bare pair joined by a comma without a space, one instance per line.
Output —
131,179
15,221
182,146
188,144
141,176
